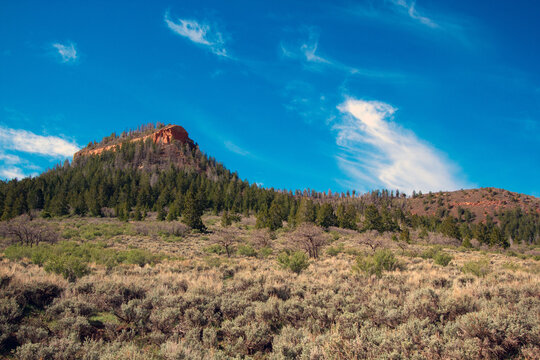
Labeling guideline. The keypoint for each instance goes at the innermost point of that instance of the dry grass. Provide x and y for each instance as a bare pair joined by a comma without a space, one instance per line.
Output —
198,305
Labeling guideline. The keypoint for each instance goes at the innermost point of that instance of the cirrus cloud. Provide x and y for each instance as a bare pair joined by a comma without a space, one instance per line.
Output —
375,151
199,33
67,52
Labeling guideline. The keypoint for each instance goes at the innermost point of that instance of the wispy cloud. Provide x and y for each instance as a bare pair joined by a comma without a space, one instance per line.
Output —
11,166
236,149
309,49
307,52
409,14
199,33
375,151
12,173
27,141
67,52
409,8
9,158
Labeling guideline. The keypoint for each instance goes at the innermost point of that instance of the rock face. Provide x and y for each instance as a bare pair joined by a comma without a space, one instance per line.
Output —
164,136
170,133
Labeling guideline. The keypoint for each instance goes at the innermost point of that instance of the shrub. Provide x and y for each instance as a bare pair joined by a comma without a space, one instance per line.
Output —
246,250
335,250
265,252
382,260
215,249
442,258
69,266
295,261
431,252
139,257
479,268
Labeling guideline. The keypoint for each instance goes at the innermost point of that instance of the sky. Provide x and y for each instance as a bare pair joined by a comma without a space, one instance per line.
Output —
342,95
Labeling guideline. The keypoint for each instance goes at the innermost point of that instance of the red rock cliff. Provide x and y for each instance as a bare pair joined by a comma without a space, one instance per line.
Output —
164,135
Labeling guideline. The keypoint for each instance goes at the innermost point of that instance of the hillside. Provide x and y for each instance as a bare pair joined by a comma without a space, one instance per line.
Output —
478,202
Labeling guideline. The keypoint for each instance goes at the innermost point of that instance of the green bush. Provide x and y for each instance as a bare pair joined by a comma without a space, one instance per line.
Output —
295,261
442,258
53,256
139,257
431,252
69,266
265,252
246,250
479,268
215,249
335,250
438,256
382,260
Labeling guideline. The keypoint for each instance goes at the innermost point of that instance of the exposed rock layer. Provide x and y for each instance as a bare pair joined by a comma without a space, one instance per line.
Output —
164,136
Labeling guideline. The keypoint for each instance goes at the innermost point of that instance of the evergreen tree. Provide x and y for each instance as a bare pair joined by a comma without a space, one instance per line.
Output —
306,211
137,215
173,212
405,236
346,216
326,216
372,219
262,217
193,212
226,219
162,214
497,238
449,228
274,220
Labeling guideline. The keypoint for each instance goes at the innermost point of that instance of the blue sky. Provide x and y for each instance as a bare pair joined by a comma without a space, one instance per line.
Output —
425,95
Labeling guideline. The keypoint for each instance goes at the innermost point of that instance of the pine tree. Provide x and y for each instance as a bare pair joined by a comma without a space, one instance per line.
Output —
137,215
274,220
326,216
405,236
162,214
306,211
373,220
173,212
226,219
192,213
449,228
262,217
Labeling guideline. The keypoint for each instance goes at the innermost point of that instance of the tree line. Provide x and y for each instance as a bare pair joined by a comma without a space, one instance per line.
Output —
178,181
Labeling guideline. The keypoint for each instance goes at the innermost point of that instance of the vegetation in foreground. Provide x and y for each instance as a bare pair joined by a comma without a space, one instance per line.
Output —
108,289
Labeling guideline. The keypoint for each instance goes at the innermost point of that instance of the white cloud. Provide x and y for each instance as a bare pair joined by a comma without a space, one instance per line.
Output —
9,158
11,173
306,52
27,141
236,149
198,33
67,52
310,48
409,7
376,151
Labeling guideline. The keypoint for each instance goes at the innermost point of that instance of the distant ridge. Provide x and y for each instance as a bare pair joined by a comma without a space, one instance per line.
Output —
479,202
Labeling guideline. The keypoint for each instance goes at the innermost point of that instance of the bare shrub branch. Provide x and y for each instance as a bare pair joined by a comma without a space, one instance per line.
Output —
310,238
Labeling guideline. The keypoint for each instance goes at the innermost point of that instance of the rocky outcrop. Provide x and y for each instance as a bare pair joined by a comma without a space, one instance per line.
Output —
164,135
